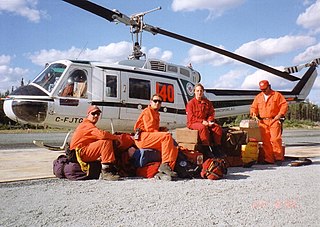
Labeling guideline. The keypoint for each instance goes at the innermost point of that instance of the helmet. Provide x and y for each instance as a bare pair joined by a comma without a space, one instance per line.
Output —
79,76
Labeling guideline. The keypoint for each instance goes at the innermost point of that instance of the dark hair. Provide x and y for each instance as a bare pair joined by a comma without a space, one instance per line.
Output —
158,95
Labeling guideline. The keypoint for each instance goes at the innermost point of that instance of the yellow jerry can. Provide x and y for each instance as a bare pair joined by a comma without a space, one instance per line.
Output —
250,152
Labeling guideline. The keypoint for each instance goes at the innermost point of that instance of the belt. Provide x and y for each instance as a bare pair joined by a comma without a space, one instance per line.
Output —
267,118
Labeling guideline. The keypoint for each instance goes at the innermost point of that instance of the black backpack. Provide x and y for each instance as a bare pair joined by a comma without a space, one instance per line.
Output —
185,168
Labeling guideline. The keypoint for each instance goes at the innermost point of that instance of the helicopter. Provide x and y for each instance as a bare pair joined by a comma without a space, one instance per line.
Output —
61,93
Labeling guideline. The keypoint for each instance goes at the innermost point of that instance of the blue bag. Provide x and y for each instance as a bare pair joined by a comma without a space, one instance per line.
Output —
144,156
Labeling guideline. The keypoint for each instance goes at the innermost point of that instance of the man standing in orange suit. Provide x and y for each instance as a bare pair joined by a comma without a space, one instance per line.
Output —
151,136
95,143
269,107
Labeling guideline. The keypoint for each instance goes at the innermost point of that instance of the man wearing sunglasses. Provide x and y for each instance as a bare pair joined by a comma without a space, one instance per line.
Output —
95,143
201,116
269,107
151,136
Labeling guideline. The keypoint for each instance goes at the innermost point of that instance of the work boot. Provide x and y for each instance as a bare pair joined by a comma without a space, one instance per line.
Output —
165,168
163,176
108,174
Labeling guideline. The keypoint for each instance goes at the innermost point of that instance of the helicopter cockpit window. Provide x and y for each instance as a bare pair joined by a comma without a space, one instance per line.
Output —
111,86
139,89
76,85
49,77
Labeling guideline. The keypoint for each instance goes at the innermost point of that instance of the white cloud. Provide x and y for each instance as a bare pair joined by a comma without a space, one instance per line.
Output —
304,57
230,80
4,59
9,76
251,81
24,8
263,49
310,19
260,50
202,56
156,52
110,53
216,7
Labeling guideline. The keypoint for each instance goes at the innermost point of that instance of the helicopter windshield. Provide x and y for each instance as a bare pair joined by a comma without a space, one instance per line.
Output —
49,77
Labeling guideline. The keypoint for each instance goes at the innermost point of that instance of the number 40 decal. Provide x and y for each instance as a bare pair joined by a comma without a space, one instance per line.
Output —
166,91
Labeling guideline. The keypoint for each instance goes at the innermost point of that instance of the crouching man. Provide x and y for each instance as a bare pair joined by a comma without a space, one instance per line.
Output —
95,143
152,137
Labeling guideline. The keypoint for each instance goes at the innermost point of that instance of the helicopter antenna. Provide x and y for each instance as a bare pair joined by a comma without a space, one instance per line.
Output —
136,29
81,50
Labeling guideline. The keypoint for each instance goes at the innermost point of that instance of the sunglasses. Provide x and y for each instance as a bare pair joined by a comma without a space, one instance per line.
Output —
95,114
157,101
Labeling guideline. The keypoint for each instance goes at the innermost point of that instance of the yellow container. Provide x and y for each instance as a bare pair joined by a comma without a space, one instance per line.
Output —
249,152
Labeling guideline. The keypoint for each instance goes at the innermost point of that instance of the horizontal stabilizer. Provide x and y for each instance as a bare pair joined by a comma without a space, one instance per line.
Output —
298,68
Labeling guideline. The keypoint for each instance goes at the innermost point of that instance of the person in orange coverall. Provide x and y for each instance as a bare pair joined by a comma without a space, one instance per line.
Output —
200,116
152,136
269,106
95,143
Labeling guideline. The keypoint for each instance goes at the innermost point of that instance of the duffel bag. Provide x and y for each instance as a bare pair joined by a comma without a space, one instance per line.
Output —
213,169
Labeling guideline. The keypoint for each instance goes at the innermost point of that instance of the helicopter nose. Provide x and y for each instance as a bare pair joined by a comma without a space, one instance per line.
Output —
25,105
25,111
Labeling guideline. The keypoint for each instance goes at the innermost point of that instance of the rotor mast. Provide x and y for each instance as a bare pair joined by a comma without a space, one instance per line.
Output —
136,28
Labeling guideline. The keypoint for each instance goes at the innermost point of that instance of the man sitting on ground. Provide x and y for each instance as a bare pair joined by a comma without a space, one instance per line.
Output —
95,143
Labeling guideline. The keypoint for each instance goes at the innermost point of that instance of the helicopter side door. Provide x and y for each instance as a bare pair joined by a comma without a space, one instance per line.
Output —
106,94
135,95
137,90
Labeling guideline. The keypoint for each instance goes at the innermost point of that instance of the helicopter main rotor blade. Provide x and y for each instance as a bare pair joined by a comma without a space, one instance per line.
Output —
237,57
113,16
94,8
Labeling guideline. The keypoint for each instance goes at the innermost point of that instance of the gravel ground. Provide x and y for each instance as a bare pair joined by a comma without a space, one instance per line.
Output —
265,195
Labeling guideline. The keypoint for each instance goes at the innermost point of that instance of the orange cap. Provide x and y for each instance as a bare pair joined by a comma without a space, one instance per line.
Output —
93,108
263,84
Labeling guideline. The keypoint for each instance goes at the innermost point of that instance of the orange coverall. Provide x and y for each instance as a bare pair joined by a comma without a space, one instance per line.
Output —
151,137
197,111
94,143
270,128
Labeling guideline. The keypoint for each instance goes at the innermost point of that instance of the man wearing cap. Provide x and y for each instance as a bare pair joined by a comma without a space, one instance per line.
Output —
269,106
152,136
95,143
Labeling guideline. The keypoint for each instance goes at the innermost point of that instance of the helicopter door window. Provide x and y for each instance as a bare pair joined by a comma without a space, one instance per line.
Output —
111,86
139,89
76,85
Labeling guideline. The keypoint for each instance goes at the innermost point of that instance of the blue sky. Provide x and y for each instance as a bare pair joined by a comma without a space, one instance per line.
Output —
278,33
